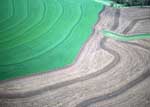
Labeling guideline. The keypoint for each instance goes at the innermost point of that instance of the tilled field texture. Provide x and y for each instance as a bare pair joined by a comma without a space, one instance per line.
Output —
107,73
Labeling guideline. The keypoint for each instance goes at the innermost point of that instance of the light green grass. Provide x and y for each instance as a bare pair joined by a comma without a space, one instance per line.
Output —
122,37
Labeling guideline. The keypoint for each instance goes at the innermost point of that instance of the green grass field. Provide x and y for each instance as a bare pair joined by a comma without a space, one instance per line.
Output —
43,35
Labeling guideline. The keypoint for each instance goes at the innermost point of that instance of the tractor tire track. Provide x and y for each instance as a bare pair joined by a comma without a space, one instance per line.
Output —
128,86
104,97
116,93
70,82
133,23
116,20
123,89
66,83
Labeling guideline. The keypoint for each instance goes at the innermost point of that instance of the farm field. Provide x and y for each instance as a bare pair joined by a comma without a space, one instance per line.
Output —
44,35
99,56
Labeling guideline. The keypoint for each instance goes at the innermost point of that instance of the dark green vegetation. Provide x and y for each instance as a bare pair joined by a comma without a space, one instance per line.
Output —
133,2
125,3
42,35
